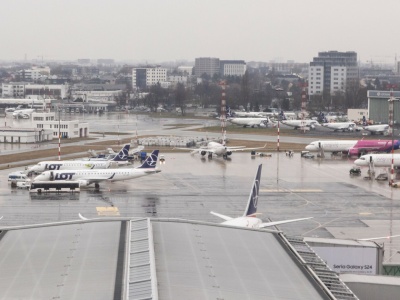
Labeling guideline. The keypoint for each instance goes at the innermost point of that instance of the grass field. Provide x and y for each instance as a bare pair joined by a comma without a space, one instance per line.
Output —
36,155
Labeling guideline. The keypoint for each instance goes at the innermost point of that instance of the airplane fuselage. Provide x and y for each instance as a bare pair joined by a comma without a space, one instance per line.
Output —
249,121
69,165
349,126
250,222
353,147
378,160
331,146
91,176
300,123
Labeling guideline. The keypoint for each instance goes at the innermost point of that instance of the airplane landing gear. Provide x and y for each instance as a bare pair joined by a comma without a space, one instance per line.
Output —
210,155
97,186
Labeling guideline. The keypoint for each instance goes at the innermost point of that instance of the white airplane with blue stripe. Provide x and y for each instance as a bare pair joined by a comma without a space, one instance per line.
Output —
249,218
88,177
55,165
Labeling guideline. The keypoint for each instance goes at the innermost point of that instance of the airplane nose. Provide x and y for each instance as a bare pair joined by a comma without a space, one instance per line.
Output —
359,162
309,147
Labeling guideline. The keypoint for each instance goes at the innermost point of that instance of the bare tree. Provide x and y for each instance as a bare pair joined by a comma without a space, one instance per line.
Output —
180,97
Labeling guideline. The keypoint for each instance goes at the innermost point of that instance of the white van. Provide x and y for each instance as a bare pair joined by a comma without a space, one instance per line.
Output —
17,176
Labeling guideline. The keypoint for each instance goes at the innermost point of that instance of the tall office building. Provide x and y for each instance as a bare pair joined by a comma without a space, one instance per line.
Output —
232,67
146,77
332,71
207,65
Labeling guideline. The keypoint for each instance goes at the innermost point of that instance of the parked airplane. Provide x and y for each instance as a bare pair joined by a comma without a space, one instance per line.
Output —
379,160
9,111
251,122
218,149
249,218
298,124
117,160
111,153
377,129
253,114
342,126
352,147
23,113
88,177
121,158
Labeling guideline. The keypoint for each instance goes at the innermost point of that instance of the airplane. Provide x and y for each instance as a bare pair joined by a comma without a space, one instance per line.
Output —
253,114
299,124
252,122
218,149
352,147
88,177
116,161
375,129
121,158
249,218
378,160
23,113
111,153
343,126
10,110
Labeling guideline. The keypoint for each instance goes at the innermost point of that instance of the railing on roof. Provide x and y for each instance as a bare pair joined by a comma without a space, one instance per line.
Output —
328,279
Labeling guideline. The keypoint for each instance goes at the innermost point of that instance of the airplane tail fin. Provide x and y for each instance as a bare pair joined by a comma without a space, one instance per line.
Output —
122,154
151,161
251,208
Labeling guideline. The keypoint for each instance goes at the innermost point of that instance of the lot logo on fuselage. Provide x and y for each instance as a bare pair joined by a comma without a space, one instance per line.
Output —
64,176
53,166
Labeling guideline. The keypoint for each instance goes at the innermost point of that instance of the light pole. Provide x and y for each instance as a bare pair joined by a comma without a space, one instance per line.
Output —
59,134
391,123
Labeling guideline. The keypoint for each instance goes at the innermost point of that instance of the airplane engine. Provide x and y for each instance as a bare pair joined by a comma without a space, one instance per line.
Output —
229,153
83,183
203,153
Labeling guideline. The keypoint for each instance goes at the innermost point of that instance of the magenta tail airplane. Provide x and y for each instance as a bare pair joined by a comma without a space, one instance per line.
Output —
353,147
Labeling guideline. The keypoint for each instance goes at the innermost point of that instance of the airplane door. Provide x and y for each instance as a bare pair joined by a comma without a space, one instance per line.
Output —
51,176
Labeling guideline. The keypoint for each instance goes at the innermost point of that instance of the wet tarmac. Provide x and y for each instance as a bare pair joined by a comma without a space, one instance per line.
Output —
190,187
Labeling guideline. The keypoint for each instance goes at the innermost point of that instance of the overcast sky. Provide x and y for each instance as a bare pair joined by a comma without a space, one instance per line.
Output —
171,30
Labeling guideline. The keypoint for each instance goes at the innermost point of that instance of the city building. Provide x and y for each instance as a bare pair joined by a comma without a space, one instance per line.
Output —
24,135
66,128
34,91
332,72
206,65
232,67
146,77
36,73
188,70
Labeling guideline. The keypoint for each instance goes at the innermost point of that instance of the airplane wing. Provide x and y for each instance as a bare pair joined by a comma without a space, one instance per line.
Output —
242,148
82,217
226,218
91,180
379,238
282,222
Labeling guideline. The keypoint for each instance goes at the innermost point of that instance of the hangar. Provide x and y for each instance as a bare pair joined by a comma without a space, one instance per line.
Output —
378,106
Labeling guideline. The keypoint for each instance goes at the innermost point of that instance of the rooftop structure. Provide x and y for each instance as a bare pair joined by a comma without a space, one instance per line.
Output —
124,258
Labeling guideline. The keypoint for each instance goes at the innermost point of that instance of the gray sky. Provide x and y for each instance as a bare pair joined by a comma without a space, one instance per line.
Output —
170,30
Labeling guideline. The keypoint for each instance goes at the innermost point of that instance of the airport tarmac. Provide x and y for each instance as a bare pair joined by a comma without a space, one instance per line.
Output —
189,187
